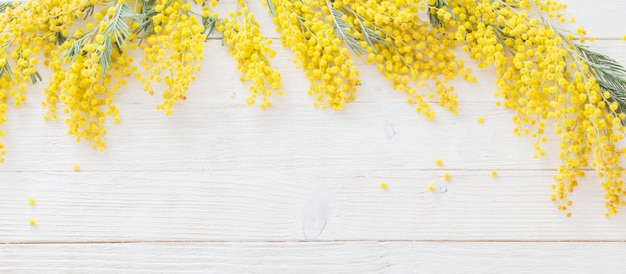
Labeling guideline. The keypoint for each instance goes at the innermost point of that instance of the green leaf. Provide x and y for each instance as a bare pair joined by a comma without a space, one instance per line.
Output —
35,77
117,28
370,36
610,74
6,4
270,6
210,25
342,27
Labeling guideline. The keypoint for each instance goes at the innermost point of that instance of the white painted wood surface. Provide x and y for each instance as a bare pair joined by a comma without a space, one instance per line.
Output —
220,187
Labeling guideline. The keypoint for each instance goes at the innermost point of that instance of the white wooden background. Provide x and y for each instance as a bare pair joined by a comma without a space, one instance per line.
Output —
220,187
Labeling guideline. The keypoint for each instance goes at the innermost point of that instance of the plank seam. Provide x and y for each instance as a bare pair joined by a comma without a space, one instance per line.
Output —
304,241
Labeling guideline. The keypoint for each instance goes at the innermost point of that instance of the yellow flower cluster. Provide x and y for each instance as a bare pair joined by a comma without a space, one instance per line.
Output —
545,76
86,72
22,41
171,51
252,52
308,29
406,48
85,44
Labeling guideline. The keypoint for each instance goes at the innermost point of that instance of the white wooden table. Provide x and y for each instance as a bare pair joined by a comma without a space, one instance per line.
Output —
220,187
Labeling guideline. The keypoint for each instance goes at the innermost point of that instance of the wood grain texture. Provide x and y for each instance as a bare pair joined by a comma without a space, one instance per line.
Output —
229,206
220,187
316,257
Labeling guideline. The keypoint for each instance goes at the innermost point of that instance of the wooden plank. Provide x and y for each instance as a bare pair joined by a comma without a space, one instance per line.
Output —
212,131
296,204
235,138
316,257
